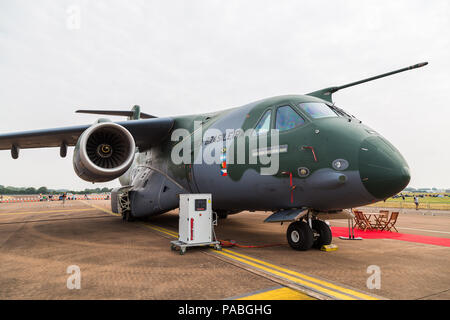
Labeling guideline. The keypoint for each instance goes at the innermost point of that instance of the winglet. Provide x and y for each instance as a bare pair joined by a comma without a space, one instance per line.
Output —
326,94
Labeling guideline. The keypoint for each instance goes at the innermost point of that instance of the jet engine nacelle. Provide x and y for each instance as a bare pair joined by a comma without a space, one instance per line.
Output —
103,152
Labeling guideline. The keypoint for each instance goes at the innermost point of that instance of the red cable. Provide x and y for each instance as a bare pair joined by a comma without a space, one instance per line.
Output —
232,243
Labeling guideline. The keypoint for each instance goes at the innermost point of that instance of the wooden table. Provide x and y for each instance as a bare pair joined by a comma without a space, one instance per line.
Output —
377,217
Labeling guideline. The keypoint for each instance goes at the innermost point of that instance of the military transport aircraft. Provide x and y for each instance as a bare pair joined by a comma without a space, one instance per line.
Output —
328,161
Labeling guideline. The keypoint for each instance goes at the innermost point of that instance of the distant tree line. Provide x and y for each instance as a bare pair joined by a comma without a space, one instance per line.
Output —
45,190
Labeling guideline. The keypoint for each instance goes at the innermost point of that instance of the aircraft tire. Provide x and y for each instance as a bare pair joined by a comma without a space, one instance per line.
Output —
222,215
324,231
128,217
300,236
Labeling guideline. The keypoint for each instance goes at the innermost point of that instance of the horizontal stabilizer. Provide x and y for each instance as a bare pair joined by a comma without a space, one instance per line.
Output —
129,114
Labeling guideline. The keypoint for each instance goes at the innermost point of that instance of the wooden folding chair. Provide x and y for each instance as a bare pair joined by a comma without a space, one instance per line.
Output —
391,223
383,218
369,224
358,222
384,215
361,221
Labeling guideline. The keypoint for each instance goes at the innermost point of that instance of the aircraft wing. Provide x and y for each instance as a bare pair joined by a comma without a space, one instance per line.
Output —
146,133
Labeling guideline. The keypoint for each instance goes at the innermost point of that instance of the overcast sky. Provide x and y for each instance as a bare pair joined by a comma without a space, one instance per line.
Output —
182,57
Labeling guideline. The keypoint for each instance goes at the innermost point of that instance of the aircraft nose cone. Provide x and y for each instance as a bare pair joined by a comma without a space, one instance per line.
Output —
383,170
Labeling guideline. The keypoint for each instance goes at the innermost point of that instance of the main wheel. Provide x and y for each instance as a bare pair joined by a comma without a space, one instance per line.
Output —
222,215
126,216
300,236
322,233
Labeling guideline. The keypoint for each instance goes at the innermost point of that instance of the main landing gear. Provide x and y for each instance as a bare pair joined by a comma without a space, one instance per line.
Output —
125,207
301,236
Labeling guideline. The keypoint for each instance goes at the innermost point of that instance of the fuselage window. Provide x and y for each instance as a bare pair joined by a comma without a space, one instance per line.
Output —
318,110
263,125
287,118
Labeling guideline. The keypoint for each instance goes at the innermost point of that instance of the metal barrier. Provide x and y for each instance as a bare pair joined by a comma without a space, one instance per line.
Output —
20,199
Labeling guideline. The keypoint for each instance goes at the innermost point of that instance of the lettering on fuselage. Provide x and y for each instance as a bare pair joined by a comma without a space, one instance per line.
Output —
209,148
229,135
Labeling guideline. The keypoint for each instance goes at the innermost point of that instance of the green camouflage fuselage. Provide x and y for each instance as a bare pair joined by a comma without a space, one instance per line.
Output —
305,177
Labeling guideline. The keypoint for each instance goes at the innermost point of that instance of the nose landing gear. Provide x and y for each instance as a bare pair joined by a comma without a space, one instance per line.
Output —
322,234
301,236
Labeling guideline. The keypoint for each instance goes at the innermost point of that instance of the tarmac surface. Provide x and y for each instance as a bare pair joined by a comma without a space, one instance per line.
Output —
121,260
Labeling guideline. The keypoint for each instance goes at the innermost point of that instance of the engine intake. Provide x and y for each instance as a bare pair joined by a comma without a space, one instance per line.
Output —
103,152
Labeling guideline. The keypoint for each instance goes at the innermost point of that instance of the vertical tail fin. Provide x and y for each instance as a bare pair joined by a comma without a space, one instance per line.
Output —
327,93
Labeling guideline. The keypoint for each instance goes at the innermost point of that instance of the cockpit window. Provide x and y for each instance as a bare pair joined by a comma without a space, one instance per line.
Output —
318,110
263,125
287,118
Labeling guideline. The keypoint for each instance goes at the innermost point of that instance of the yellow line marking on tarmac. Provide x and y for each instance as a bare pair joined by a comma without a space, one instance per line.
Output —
300,275
289,294
100,208
170,233
331,286
320,285
160,229
305,277
318,288
49,211
278,294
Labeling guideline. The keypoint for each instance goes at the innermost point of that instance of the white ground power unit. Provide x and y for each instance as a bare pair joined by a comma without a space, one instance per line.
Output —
196,222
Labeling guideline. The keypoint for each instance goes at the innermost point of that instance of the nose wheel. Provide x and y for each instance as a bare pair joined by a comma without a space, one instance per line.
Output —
322,234
300,236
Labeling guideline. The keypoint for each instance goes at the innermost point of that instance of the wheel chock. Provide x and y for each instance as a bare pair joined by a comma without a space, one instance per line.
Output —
329,247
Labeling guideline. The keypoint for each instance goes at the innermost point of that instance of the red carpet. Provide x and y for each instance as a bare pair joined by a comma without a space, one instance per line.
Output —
343,231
